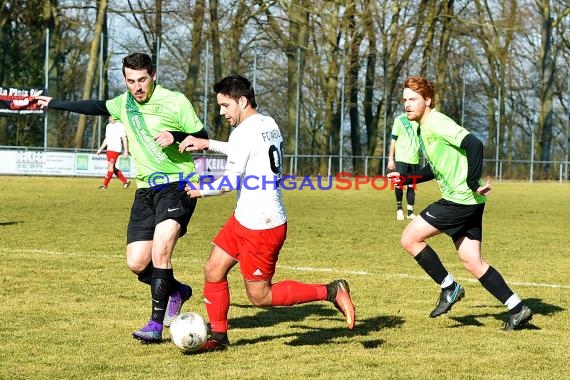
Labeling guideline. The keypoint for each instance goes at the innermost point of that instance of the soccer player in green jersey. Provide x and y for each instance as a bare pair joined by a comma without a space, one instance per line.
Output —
154,118
404,157
455,160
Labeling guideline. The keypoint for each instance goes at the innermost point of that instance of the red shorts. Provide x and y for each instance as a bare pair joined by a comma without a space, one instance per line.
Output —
112,156
256,250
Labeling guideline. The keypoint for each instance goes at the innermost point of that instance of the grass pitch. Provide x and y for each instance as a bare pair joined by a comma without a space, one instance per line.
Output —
69,304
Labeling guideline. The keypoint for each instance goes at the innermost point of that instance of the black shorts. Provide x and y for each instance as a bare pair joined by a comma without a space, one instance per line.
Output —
151,207
456,220
404,168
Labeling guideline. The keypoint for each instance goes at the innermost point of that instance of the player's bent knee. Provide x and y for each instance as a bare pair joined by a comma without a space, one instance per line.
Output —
259,301
259,297
136,266
406,243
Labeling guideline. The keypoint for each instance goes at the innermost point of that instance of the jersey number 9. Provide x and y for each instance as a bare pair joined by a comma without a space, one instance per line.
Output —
276,159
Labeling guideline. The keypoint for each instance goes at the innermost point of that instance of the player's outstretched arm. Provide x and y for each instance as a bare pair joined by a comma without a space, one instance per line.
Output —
85,107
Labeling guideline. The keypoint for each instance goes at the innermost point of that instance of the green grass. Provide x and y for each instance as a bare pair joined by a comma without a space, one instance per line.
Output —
69,304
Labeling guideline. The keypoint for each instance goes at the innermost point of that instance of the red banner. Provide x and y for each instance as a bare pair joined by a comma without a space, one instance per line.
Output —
19,100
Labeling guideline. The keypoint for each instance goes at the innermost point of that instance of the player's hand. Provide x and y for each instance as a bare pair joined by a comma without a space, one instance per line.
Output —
43,100
98,153
395,178
192,144
164,139
192,193
485,189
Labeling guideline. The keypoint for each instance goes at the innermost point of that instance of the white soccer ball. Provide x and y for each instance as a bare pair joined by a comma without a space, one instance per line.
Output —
188,331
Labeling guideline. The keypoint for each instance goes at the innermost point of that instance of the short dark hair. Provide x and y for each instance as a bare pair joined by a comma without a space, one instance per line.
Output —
138,61
235,86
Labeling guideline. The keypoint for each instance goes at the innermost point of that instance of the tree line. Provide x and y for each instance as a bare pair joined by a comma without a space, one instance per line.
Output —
329,72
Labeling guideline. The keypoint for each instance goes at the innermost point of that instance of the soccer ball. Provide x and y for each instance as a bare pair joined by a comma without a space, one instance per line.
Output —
188,332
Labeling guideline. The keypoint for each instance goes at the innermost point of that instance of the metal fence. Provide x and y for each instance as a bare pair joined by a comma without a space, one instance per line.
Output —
313,165
327,165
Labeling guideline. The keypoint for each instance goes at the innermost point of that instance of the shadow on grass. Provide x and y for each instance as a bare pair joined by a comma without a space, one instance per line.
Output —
9,223
313,334
537,306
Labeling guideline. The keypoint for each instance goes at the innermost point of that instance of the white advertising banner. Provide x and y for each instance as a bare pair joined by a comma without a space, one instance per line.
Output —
31,162
87,164
39,162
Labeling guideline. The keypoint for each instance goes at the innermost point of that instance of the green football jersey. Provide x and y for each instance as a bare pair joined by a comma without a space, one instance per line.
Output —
440,140
165,111
407,148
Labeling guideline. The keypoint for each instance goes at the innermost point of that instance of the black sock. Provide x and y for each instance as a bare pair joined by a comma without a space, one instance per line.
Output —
430,263
496,285
516,309
160,286
410,195
174,286
146,277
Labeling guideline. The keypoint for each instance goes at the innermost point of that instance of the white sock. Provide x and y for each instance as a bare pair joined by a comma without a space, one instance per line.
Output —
448,280
513,301
410,208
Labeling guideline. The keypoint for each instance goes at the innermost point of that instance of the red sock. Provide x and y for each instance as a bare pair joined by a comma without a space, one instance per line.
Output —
287,293
107,178
217,300
120,175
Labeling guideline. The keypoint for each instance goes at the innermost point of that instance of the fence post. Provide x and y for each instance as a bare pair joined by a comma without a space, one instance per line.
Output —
500,170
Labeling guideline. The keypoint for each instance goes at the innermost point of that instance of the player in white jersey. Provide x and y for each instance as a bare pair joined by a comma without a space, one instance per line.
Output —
254,234
116,142
254,164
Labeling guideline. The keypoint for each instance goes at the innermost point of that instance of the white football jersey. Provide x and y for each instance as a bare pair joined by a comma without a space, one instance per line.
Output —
113,134
255,159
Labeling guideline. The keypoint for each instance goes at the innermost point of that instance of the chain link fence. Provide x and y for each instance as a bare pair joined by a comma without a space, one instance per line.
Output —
313,165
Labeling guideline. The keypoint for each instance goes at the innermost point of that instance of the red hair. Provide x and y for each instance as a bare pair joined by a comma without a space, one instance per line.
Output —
423,87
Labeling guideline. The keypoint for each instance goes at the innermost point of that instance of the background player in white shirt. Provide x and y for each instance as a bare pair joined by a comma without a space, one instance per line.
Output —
116,142
254,234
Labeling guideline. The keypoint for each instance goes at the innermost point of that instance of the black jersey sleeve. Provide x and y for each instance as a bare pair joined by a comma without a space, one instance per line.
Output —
422,175
85,107
474,151
179,136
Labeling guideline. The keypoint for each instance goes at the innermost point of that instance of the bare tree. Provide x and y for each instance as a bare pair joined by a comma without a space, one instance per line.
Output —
355,36
19,66
190,84
294,42
399,35
547,69
91,69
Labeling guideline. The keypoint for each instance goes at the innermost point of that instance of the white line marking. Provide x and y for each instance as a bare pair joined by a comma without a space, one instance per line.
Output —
302,269
414,277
